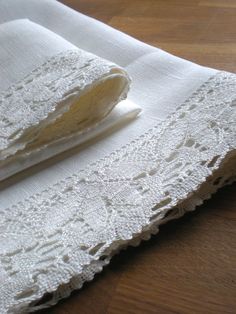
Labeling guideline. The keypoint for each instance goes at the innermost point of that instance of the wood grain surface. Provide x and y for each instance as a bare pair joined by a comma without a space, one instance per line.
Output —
190,266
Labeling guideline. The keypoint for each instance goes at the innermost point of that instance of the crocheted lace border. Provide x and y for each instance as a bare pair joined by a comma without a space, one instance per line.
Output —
58,238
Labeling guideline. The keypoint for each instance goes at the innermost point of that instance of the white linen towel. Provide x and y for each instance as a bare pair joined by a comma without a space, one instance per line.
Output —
54,95
61,225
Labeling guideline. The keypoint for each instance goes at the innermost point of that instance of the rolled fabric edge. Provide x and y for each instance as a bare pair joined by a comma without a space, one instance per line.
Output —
124,112
69,93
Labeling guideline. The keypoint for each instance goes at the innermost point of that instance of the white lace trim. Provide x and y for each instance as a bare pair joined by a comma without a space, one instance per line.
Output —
65,234
40,95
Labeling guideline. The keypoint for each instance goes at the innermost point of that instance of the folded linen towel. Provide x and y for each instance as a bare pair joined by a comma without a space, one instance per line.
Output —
62,225
53,94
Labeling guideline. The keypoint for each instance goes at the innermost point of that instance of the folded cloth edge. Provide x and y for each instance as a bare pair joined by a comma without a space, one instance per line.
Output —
78,74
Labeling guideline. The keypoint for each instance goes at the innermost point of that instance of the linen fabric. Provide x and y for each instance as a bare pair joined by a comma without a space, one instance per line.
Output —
51,92
64,222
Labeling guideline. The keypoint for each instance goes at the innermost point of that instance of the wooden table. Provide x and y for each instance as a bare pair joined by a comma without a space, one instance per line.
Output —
190,266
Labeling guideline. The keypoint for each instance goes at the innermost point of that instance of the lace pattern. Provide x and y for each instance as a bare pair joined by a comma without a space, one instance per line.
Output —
59,238
37,96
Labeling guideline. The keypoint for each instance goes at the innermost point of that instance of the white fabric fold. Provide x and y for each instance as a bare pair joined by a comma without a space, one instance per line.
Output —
62,224
52,91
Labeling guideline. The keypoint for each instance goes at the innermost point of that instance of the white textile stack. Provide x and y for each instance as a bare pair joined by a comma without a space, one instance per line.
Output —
61,223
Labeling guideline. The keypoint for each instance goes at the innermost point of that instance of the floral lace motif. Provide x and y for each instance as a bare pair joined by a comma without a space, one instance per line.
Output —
38,95
59,238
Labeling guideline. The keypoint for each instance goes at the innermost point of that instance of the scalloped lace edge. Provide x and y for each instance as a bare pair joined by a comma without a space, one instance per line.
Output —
47,93
81,221
90,271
